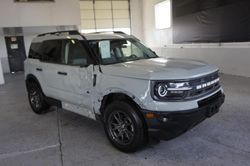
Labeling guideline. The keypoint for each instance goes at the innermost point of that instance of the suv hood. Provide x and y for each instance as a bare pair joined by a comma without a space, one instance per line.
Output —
160,69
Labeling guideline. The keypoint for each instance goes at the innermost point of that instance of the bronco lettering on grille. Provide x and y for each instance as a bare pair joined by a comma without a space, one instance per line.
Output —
210,83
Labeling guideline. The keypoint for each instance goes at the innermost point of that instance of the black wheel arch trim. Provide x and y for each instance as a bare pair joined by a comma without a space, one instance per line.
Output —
109,98
33,78
114,96
49,100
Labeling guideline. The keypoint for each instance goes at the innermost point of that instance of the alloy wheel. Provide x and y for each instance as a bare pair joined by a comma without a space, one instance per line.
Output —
35,99
121,127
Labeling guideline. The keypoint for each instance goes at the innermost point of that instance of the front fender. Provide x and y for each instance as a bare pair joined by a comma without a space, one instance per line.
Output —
112,90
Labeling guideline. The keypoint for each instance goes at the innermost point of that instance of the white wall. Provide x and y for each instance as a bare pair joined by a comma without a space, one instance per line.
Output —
2,52
234,61
36,17
1,74
136,18
231,58
3,55
60,12
153,37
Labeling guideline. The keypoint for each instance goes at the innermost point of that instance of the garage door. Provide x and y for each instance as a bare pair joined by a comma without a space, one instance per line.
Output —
105,15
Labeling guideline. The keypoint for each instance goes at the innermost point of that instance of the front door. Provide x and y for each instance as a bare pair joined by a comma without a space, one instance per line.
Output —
16,53
76,74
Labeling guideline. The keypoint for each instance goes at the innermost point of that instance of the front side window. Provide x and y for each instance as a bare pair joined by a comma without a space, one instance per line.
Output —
121,50
76,54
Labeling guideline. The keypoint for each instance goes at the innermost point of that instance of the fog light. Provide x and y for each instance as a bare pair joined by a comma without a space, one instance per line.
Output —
164,119
150,115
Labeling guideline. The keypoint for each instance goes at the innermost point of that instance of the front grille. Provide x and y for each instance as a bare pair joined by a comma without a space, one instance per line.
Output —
194,92
196,88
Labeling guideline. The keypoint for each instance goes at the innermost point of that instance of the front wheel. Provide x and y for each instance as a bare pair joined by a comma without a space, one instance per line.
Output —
124,126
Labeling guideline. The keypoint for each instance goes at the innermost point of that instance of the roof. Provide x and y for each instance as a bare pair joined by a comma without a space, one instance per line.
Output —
79,36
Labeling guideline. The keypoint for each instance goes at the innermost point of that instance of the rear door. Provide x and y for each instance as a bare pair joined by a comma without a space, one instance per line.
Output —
50,64
33,63
68,72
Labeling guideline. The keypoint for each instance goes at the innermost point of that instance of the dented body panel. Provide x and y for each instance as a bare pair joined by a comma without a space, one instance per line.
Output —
160,69
114,78
133,79
83,89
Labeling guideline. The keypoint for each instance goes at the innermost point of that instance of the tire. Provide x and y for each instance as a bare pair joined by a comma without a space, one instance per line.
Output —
124,127
37,99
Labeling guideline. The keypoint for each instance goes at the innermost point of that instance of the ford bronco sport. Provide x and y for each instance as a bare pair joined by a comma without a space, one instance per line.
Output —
112,77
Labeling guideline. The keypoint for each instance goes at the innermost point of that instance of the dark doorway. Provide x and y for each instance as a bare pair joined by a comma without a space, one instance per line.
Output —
16,52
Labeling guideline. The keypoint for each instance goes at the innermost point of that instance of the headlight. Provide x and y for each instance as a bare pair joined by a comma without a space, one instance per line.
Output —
162,90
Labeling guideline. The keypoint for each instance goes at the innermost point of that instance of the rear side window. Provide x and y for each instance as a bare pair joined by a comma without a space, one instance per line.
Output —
34,51
52,51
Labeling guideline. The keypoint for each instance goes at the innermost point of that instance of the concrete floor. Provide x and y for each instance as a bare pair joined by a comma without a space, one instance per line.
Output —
64,138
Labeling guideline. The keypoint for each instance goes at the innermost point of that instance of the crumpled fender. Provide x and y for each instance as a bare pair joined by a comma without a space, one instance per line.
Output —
97,104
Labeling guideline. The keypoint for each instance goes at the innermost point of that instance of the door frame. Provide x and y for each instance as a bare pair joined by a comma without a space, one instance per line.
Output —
19,40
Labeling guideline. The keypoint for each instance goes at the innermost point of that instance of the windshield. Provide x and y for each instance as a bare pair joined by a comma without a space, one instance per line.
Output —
121,50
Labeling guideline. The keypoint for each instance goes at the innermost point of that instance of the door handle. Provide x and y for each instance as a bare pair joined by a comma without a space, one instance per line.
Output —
39,69
62,73
94,80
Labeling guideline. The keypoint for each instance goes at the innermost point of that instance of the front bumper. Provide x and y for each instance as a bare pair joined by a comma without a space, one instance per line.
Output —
168,125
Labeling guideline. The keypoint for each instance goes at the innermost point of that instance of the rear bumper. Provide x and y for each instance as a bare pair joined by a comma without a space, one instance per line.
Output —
167,125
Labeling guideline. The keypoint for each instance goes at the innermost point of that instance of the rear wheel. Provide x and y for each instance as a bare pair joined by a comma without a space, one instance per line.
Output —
37,99
124,126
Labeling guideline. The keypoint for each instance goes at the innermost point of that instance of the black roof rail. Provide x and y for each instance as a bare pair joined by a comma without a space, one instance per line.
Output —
115,32
71,32
118,32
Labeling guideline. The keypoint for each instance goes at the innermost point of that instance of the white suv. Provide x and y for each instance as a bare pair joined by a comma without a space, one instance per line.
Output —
112,77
